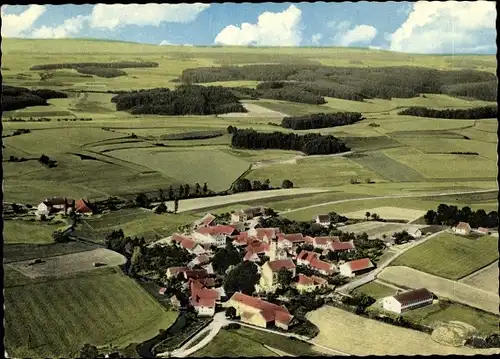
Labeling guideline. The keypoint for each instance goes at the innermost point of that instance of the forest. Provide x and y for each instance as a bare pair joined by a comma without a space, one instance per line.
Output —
310,144
451,215
184,100
285,93
466,114
321,120
77,65
101,72
16,98
355,83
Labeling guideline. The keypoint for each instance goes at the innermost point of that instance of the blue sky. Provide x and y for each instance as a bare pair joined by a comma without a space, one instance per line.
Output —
420,27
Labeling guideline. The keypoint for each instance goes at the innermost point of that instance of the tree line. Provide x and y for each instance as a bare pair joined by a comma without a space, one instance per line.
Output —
321,120
109,72
469,113
16,98
451,215
245,185
77,65
310,144
355,83
184,100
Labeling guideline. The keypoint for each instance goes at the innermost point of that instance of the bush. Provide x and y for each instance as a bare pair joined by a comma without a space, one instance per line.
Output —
232,326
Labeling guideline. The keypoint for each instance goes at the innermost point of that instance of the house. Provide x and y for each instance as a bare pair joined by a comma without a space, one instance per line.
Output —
322,267
290,241
175,301
208,268
214,235
195,274
258,248
462,228
162,291
244,215
342,246
269,273
308,284
414,232
206,221
483,230
260,313
251,256
323,220
203,299
199,260
84,207
411,299
356,267
306,257
174,271
54,205
323,243
264,234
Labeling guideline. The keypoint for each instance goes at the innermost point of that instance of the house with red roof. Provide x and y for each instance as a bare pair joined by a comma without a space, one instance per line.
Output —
408,300
323,220
174,271
83,206
244,215
305,257
195,274
356,267
203,299
322,267
309,284
462,228
206,221
264,234
269,273
202,259
290,241
483,230
260,313
342,246
54,205
215,235
188,244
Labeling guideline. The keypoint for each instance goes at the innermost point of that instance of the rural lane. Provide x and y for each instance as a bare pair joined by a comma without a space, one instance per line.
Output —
373,274
428,194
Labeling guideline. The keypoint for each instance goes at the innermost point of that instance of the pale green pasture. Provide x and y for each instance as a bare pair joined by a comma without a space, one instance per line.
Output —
487,125
263,155
476,134
413,123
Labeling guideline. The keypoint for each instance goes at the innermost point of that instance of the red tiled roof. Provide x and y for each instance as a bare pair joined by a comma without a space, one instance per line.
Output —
318,280
321,241
266,308
195,273
207,282
258,247
342,246
177,270
321,265
188,243
294,238
269,232
360,264
216,230
202,259
415,295
307,255
304,280
202,302
249,256
209,218
463,225
281,263
84,206
179,237
162,290
308,239
483,230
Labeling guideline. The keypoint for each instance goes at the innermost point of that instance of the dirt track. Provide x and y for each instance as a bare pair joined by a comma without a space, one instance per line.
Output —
255,111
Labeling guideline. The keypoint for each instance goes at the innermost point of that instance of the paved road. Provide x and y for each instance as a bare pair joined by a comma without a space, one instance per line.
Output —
428,194
373,274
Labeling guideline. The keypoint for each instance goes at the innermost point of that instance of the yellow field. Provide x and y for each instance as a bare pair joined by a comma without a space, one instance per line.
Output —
356,335
486,278
453,290
389,213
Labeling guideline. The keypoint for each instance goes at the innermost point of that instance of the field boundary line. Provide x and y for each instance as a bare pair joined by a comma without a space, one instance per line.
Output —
476,272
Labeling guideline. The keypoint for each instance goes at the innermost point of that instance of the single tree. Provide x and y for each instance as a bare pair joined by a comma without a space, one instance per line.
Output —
162,208
287,184
285,278
197,188
187,190
161,195
135,260
181,191
375,216
170,192
231,313
142,200
367,215
205,188
176,204
89,351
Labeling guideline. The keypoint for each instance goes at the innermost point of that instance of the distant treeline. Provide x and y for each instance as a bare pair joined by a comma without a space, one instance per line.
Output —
104,65
355,83
184,100
468,114
101,72
451,215
310,144
284,93
18,132
321,120
193,135
44,119
16,98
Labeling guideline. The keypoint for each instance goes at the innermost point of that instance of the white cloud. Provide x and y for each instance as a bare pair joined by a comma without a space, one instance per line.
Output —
68,28
165,43
316,38
112,16
16,25
375,47
272,29
450,26
338,25
361,34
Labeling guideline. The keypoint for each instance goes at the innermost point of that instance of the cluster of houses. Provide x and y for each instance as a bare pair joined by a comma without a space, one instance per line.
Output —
271,251
464,229
56,205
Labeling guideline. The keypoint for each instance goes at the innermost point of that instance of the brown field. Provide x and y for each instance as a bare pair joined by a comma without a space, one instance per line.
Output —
377,229
486,278
453,290
69,263
356,335
389,213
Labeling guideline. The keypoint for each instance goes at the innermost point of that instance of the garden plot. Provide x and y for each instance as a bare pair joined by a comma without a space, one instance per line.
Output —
69,263
453,290
395,213
356,335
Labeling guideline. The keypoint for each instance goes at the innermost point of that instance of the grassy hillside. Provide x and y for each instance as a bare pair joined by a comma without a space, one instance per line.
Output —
101,307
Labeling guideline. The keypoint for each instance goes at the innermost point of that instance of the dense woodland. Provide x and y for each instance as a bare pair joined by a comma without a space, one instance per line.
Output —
451,215
355,83
16,98
184,100
101,72
310,144
104,65
321,120
468,114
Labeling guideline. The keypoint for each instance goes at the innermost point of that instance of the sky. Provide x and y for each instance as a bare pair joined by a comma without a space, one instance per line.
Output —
415,27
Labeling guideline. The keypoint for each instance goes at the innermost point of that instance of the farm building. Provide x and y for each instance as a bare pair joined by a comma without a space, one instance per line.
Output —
290,241
306,257
199,260
174,271
244,215
356,267
54,205
269,273
188,244
408,300
483,230
462,228
342,246
311,259
258,312
264,234
308,284
162,291
414,232
203,299
206,221
83,206
214,235
323,220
